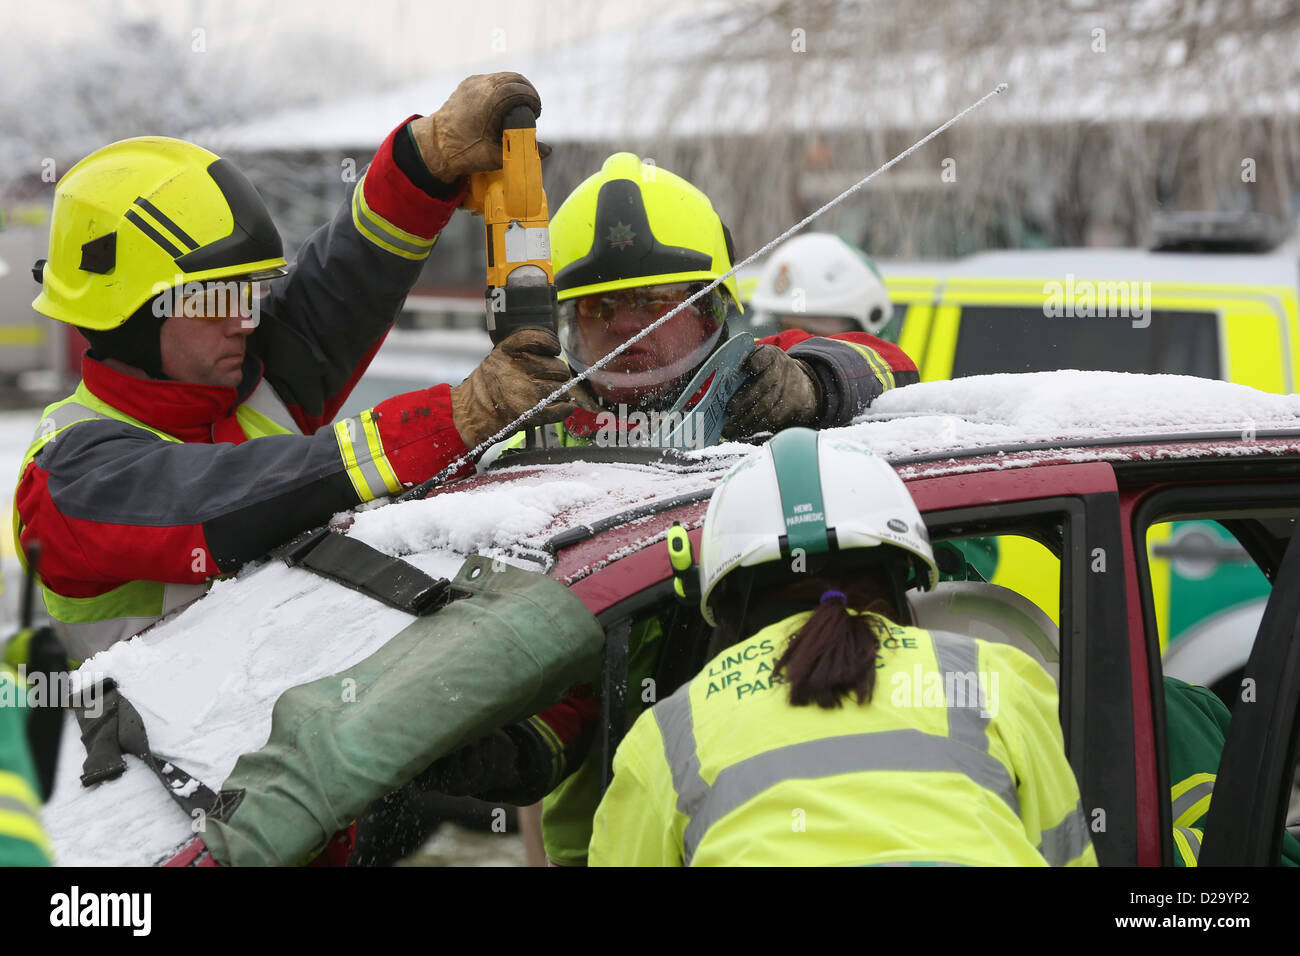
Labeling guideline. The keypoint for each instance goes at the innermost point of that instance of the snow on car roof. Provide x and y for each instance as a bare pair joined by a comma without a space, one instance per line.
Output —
998,411
205,681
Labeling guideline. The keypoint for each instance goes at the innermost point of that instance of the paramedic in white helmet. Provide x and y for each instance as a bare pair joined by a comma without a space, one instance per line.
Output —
821,284
815,703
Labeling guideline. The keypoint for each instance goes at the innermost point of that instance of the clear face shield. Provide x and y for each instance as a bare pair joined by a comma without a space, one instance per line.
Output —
650,373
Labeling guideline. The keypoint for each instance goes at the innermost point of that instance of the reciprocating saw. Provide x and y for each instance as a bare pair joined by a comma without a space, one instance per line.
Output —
520,283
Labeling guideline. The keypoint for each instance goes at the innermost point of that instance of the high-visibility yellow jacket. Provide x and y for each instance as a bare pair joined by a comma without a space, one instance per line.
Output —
957,759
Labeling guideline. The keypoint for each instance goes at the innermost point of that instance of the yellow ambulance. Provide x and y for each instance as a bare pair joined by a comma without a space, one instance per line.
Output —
1228,315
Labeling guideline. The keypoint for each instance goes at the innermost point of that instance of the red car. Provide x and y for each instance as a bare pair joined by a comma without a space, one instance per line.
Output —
1087,505
1065,473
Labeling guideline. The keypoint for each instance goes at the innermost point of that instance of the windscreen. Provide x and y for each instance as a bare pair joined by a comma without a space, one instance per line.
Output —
998,339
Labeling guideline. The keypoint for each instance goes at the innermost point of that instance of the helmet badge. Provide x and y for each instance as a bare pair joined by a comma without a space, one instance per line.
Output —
621,236
782,281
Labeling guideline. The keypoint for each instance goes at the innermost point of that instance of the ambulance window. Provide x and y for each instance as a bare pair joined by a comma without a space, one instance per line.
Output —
1013,339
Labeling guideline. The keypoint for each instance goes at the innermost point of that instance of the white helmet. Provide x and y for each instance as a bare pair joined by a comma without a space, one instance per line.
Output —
820,275
808,493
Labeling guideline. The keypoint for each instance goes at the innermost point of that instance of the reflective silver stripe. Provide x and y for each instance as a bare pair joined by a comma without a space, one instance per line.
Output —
677,727
353,432
69,413
14,805
84,639
1191,798
965,750
1193,844
1065,841
958,656
383,230
266,401
910,751
914,863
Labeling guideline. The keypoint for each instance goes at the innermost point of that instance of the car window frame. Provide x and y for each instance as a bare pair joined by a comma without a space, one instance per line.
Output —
1260,753
1198,501
1087,621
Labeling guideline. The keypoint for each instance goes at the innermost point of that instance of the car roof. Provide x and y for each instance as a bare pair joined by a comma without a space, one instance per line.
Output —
1072,415
535,506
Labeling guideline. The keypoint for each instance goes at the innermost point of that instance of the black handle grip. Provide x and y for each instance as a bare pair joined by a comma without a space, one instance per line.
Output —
520,117
528,307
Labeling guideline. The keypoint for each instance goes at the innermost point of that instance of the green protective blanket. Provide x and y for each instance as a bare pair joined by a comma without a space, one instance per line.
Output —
505,652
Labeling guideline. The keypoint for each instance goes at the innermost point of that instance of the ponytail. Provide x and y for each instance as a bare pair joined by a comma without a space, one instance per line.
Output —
834,653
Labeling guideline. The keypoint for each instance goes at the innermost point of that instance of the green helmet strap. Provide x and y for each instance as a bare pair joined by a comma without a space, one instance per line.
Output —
798,478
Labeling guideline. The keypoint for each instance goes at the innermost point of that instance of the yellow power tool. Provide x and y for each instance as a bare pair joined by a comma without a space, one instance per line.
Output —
520,281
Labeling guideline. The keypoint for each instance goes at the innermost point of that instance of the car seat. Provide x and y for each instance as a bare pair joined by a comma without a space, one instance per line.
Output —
990,612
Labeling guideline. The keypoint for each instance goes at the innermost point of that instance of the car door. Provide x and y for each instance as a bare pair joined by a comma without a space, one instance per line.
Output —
1245,822
1107,715
1260,514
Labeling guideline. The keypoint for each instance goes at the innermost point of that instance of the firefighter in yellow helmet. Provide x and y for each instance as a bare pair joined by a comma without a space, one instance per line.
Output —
632,242
838,734
202,433
629,244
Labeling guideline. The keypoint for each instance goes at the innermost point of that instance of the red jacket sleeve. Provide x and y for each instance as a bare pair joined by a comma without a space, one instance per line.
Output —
112,503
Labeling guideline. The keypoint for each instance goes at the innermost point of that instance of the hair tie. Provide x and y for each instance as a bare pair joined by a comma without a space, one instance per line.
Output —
834,596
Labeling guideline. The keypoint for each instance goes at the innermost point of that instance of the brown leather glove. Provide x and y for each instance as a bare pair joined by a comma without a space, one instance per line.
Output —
514,377
782,392
584,396
464,135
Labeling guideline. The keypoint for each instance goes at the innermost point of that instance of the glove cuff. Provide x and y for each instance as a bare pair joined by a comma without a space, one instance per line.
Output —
407,156
395,204
847,381
555,742
418,434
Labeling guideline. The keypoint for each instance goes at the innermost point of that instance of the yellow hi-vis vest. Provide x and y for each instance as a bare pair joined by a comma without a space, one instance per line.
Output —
957,759
86,626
